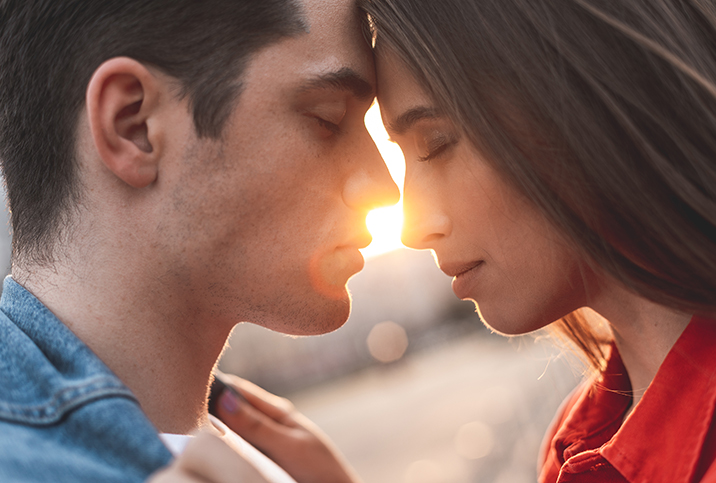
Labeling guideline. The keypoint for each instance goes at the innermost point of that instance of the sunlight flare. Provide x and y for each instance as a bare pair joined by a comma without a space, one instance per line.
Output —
385,224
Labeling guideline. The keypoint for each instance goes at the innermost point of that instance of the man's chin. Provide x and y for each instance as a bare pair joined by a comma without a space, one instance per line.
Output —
322,318
328,321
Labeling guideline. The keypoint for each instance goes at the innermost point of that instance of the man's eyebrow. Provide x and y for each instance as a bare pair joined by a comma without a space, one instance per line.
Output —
406,120
345,79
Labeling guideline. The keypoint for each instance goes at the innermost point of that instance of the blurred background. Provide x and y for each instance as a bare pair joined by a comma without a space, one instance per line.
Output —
413,388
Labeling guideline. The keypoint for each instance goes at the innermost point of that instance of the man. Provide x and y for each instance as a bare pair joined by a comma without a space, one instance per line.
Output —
173,168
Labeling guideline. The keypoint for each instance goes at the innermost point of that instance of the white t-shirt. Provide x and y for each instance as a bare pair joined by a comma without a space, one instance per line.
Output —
271,471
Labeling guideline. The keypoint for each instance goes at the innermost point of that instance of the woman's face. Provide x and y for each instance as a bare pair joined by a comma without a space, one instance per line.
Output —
499,249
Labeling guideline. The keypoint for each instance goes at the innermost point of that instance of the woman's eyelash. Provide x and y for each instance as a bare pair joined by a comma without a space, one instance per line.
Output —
438,151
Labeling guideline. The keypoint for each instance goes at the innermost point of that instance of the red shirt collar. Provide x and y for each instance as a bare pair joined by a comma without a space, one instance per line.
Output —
663,438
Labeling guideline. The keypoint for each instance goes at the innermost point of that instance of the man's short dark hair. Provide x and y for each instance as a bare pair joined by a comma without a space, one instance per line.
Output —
49,50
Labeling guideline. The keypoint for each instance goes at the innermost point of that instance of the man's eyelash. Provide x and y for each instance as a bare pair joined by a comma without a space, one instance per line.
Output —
334,128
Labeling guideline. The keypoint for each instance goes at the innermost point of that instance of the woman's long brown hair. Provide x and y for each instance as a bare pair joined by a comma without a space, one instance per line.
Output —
603,113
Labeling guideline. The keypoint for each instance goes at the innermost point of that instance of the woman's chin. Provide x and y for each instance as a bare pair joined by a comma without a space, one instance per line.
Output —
509,324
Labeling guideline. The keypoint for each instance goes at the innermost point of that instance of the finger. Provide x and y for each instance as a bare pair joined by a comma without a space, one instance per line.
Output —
208,458
275,407
254,426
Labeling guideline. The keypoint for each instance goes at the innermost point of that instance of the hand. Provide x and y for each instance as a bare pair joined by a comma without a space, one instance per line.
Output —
273,426
207,459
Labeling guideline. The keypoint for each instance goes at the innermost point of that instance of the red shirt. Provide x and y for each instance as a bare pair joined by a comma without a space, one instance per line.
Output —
669,437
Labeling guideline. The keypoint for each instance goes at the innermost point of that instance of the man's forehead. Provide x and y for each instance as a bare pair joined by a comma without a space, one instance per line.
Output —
332,55
335,36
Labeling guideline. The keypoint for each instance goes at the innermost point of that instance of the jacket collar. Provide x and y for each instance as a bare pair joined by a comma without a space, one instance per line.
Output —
598,412
47,371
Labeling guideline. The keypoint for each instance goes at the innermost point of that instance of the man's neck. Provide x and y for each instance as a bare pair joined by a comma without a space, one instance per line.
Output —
163,352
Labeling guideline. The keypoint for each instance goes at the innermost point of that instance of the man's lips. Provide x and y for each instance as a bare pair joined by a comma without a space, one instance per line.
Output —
329,271
358,242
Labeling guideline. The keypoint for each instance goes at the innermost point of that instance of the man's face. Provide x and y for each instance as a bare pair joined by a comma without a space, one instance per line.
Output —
265,225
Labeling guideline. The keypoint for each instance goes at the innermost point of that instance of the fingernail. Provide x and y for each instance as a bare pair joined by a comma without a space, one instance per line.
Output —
229,400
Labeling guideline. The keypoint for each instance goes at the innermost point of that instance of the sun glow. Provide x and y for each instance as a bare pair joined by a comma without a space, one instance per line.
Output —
385,224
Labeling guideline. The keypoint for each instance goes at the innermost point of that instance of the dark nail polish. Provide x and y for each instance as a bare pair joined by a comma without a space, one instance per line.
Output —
229,401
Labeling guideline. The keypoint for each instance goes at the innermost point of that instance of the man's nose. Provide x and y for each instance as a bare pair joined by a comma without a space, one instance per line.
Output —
370,185
425,223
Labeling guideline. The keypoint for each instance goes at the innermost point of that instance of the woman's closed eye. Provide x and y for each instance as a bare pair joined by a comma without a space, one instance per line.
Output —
435,145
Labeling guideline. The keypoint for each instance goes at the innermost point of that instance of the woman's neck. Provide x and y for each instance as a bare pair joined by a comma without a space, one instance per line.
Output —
644,333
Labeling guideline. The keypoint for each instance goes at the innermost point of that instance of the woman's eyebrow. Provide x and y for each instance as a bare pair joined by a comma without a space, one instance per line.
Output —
406,120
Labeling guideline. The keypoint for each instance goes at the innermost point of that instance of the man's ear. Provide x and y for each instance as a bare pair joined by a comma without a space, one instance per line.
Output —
123,101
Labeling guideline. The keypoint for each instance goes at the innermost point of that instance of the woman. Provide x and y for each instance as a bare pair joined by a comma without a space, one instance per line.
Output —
561,163
562,155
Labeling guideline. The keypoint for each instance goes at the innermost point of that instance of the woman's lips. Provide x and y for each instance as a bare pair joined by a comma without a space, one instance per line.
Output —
464,278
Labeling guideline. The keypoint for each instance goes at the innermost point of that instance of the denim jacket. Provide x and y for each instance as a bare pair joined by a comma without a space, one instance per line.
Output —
64,416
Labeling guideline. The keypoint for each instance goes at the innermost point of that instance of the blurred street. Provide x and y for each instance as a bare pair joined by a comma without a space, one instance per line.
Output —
472,410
